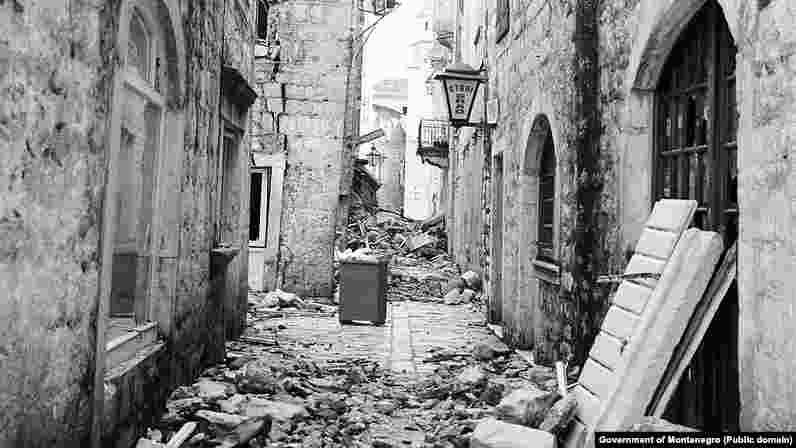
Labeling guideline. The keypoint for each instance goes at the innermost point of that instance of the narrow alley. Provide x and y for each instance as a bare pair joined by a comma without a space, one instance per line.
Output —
397,223
423,379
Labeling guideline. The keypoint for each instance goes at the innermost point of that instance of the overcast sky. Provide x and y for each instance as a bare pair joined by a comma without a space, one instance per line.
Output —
387,49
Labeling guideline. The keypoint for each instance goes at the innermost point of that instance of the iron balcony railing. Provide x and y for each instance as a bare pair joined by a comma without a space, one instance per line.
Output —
432,142
432,135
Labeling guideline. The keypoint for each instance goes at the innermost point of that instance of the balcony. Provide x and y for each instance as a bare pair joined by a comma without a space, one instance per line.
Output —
432,142
446,39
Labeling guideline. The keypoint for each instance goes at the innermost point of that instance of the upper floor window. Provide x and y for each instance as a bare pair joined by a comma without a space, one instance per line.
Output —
262,20
547,190
502,19
139,47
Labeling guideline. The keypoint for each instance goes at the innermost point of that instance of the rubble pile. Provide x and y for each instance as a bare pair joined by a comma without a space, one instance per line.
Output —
390,232
271,396
415,278
279,303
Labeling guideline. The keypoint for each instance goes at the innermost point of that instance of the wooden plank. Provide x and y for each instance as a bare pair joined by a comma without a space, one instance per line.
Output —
673,215
643,264
647,355
656,243
696,330
588,405
182,435
607,349
619,323
632,296
597,379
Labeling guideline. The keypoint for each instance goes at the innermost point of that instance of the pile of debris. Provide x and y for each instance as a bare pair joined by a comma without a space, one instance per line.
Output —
276,397
502,401
386,230
278,303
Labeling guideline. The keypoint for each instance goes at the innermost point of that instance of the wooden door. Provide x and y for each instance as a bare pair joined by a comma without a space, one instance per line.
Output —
696,127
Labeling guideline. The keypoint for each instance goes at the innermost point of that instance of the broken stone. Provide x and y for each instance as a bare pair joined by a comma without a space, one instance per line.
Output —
386,407
172,419
213,390
356,375
493,393
243,433
186,405
539,374
182,392
452,297
472,377
257,378
233,404
486,352
491,433
143,442
277,410
527,406
559,416
239,362
472,280
456,284
154,435
222,419
654,424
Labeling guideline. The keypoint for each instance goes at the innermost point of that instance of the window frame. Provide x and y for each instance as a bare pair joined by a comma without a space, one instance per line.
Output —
708,184
546,250
276,162
266,197
502,19
262,14
228,131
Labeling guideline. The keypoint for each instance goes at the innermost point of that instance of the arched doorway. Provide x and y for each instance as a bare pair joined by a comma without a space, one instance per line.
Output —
144,153
695,158
539,284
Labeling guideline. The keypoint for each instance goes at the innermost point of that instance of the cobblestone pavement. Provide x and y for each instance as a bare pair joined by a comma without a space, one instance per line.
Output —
421,380
412,333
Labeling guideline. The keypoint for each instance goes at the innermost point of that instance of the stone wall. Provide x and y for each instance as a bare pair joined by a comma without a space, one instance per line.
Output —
54,97
393,149
308,103
531,73
58,63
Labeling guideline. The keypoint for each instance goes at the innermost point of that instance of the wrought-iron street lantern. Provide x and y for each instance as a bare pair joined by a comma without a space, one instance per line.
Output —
460,83
374,160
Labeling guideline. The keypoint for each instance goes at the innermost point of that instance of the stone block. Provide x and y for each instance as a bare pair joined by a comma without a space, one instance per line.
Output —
527,406
491,433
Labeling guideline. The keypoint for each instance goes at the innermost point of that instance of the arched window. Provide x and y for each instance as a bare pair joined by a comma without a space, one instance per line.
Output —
697,122
547,191
142,124
139,47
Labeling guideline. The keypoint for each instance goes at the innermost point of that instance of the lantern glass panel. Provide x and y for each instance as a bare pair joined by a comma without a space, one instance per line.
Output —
460,94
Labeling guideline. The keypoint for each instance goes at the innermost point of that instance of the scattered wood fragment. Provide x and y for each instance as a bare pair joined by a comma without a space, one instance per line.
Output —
259,341
182,435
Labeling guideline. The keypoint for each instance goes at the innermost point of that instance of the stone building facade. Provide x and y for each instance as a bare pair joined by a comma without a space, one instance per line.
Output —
388,101
603,108
123,170
308,78
424,185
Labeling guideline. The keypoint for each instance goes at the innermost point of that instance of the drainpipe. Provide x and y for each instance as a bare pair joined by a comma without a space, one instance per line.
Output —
589,181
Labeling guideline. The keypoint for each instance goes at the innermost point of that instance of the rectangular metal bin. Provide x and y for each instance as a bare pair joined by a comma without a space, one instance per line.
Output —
363,291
